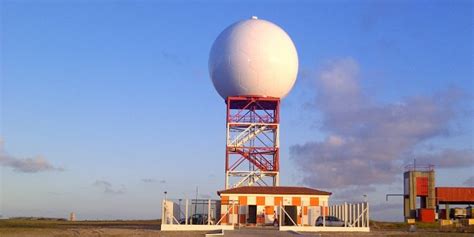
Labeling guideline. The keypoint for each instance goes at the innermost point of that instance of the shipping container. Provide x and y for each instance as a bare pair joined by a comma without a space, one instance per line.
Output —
426,215
455,194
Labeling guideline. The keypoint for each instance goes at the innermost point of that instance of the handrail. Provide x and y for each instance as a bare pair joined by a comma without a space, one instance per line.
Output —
419,167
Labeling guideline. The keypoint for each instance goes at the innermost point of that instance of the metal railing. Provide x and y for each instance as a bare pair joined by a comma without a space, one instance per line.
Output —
190,211
419,167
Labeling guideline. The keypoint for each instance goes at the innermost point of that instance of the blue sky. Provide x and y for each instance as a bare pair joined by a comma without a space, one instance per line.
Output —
115,96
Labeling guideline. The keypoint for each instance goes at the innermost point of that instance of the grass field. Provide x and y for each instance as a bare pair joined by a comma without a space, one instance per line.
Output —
22,223
22,228
421,227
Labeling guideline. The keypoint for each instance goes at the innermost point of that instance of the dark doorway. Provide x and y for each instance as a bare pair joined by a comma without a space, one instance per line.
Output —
252,214
292,212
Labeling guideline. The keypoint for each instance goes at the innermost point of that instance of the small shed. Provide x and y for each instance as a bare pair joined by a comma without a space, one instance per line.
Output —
259,205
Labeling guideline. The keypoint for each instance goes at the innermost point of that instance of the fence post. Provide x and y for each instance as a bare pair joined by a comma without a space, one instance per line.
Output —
324,214
363,214
345,214
186,212
209,212
280,217
350,214
358,215
163,212
367,212
340,211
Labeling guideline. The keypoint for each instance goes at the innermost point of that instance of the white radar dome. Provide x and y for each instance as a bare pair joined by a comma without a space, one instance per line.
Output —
253,58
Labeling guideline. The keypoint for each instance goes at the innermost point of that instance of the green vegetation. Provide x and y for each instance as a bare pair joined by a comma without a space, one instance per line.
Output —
39,227
420,227
402,225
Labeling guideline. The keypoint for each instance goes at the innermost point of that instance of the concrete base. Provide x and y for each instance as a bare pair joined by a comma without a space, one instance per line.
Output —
324,229
168,227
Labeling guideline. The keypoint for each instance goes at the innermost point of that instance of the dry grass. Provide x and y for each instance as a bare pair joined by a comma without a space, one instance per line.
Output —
40,228
402,225
21,228
20,223
432,228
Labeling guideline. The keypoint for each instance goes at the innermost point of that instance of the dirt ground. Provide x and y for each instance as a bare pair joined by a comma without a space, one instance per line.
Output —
37,228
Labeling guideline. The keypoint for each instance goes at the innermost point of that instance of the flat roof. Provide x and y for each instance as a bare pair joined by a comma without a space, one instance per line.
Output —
283,190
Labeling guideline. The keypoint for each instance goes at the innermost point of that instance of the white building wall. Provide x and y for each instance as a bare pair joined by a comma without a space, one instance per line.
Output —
251,200
308,218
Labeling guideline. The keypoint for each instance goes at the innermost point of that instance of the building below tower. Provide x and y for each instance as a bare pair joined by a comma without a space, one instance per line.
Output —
259,205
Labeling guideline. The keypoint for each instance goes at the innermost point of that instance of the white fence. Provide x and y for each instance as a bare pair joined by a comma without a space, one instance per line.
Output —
192,215
202,215
351,217
354,215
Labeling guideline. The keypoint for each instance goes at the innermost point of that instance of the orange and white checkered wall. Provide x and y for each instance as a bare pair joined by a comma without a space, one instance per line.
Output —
308,207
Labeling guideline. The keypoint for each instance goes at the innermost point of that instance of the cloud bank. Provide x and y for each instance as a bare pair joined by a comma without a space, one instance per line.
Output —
368,143
448,158
25,165
108,188
150,180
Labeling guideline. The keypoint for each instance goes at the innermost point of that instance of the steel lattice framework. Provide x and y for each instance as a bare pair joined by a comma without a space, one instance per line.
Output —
252,147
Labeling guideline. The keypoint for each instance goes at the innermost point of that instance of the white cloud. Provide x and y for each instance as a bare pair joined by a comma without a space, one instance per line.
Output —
367,142
25,165
108,188
353,193
448,158
148,180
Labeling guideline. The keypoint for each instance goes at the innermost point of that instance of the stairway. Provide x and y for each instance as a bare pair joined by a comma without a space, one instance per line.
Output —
248,134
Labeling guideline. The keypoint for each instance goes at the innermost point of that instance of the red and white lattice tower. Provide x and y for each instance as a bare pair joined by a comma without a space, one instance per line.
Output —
252,150
253,64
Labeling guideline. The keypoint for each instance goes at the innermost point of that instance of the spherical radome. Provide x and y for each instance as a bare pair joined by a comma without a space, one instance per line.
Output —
253,58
